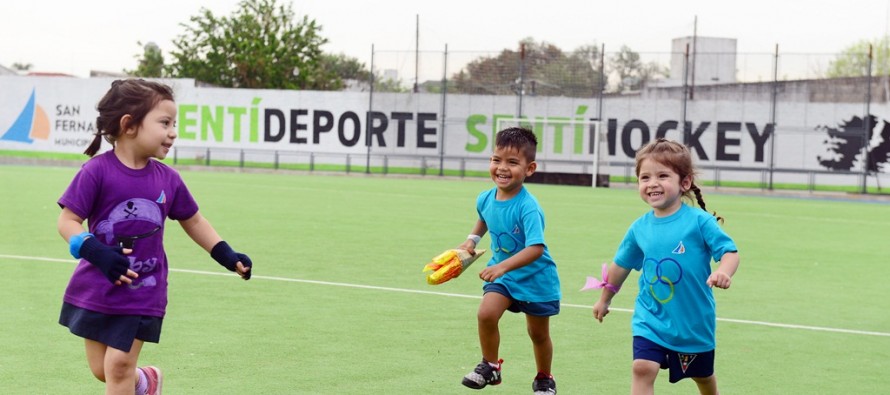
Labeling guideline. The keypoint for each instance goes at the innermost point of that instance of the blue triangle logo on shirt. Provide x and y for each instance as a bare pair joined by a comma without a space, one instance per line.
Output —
679,249
516,230
163,198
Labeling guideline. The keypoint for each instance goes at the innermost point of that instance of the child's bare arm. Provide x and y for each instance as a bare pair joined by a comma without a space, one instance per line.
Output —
69,224
722,276
617,275
202,233
479,229
523,257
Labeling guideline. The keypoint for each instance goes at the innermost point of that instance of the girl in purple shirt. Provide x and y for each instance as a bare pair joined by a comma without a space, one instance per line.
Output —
117,295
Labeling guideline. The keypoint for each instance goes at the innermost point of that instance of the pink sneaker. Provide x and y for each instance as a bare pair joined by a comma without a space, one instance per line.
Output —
155,380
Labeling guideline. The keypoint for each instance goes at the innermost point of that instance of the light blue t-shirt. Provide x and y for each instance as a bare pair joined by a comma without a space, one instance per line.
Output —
513,225
675,307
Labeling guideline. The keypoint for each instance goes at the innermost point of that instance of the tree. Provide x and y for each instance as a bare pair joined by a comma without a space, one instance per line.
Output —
652,71
388,84
543,69
150,64
337,70
22,66
626,65
584,77
853,60
258,46
632,73
489,75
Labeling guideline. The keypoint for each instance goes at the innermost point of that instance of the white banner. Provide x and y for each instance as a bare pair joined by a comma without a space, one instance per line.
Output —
56,114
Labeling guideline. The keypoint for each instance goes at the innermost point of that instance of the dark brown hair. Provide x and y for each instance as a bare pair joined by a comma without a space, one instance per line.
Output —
522,139
678,157
133,97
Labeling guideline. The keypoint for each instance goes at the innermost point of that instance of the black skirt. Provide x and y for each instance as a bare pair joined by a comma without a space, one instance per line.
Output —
113,330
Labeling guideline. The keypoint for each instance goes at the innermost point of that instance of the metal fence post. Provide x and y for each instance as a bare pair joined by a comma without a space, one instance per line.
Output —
772,117
442,127
686,131
368,118
521,78
866,158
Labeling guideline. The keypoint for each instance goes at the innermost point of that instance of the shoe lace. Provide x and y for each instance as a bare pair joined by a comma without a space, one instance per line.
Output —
544,385
488,372
484,369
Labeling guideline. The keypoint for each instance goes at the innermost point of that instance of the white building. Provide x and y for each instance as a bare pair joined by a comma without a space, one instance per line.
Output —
712,60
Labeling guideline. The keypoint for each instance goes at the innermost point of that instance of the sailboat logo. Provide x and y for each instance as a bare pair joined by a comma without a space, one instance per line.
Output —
31,124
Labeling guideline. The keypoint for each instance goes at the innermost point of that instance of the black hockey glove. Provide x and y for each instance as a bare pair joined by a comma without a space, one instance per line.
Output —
228,258
111,261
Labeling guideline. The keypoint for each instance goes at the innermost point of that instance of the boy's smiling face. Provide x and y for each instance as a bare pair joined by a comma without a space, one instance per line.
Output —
509,167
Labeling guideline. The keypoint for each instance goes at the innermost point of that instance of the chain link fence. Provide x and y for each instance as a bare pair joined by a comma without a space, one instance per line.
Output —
820,106
772,119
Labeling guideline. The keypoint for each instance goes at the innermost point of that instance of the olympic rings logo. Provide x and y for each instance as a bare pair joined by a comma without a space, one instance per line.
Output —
668,273
505,242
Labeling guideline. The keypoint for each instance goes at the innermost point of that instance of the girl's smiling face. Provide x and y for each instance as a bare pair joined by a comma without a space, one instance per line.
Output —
155,136
661,187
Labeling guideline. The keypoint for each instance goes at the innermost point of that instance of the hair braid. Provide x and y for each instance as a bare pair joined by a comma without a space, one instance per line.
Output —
701,201
96,143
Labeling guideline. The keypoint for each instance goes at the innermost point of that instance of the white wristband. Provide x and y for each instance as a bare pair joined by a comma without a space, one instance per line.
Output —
475,238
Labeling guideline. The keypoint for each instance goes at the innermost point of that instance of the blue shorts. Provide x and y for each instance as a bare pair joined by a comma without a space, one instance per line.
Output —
538,309
681,365
115,331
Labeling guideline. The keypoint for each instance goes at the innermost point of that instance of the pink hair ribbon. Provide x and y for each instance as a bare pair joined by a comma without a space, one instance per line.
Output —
593,283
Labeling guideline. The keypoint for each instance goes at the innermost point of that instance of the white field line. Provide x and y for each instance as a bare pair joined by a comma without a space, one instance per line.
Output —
454,295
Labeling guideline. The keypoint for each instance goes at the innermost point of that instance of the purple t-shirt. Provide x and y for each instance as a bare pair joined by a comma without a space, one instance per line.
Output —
123,205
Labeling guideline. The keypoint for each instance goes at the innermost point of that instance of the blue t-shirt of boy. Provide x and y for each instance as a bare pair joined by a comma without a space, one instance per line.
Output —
513,225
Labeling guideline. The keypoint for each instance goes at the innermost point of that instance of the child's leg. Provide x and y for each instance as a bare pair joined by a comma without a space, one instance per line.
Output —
707,385
491,309
644,374
120,369
539,332
96,358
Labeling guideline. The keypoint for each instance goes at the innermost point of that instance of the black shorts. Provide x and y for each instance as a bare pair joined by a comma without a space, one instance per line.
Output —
537,309
115,331
681,365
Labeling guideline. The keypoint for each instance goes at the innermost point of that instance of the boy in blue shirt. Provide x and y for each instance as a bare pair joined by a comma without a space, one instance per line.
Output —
521,276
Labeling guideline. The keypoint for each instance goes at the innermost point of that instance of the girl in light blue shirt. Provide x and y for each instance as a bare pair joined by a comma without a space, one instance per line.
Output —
673,245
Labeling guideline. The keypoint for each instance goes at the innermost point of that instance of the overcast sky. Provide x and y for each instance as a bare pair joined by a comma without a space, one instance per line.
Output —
78,36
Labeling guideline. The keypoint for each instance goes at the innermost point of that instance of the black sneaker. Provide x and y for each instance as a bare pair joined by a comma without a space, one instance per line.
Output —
483,375
544,385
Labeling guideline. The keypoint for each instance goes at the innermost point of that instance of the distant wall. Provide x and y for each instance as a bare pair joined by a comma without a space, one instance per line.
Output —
819,124
836,90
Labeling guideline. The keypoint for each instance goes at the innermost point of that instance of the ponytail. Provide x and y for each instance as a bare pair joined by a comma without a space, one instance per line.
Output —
96,143
701,201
